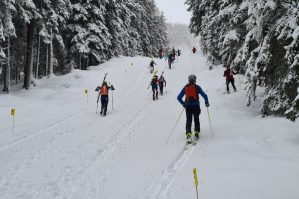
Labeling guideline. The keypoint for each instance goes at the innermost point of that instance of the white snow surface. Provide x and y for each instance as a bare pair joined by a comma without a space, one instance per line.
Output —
61,149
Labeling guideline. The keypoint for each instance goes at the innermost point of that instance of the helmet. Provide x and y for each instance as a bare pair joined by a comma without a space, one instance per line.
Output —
192,78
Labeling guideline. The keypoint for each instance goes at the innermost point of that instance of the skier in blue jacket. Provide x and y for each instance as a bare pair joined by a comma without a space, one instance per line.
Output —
170,60
192,105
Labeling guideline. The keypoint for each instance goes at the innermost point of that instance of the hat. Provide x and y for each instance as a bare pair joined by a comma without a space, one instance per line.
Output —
192,78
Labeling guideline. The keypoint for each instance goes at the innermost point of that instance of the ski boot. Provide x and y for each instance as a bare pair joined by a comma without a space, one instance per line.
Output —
189,137
196,135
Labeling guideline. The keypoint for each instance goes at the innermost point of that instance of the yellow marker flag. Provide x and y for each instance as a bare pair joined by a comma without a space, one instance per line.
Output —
195,176
13,112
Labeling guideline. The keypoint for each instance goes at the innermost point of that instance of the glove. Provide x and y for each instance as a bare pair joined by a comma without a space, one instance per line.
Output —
207,105
184,105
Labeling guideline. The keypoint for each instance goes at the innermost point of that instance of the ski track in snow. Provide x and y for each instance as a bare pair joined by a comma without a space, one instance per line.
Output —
83,155
159,190
42,131
106,153
67,126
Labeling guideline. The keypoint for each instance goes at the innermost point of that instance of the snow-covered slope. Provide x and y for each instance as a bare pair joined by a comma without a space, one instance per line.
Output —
61,148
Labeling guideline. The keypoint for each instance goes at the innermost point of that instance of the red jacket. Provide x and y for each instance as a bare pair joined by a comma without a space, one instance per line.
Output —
229,74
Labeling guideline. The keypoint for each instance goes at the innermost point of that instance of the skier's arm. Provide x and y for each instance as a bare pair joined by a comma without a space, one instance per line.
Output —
97,88
112,87
180,96
204,95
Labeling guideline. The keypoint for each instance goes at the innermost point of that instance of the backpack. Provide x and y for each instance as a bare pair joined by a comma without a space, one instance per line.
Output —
104,90
191,92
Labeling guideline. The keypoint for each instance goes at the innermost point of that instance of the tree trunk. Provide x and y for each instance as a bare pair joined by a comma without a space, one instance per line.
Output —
47,62
8,66
4,78
80,60
29,56
50,55
37,56
6,70
17,62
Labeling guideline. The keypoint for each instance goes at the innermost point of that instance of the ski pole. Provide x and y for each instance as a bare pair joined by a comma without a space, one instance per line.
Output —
112,100
98,103
175,125
211,130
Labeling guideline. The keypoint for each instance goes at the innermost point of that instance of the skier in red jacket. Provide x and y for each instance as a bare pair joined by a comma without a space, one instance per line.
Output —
229,75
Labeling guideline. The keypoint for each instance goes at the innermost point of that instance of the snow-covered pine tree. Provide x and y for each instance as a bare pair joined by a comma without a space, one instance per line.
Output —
87,35
261,39
55,14
7,31
58,35
151,32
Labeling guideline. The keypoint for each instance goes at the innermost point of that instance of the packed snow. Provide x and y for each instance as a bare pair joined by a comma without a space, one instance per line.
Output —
60,148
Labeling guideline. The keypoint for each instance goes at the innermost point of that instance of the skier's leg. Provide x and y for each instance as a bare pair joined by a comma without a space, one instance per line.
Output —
106,105
157,93
188,120
102,105
153,91
233,84
161,89
227,86
196,112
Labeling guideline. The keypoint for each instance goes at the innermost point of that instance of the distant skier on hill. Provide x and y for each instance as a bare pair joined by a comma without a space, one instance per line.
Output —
162,83
173,54
179,52
194,50
104,93
170,60
192,105
152,66
229,75
154,84
161,54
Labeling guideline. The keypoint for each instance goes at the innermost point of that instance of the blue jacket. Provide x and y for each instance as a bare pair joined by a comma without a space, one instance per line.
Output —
193,102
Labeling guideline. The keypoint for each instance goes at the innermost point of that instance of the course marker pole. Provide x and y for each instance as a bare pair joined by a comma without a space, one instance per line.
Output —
12,113
196,181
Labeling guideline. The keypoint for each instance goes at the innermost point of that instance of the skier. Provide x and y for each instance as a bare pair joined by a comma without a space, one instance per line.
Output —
154,84
194,50
103,92
152,65
170,60
173,54
192,105
179,52
162,83
229,75
160,53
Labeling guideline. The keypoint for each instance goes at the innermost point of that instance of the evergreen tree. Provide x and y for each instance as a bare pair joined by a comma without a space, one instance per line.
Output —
259,38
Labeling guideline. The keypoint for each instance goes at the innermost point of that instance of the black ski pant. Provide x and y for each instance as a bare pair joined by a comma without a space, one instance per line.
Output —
161,88
155,93
192,112
104,104
232,81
